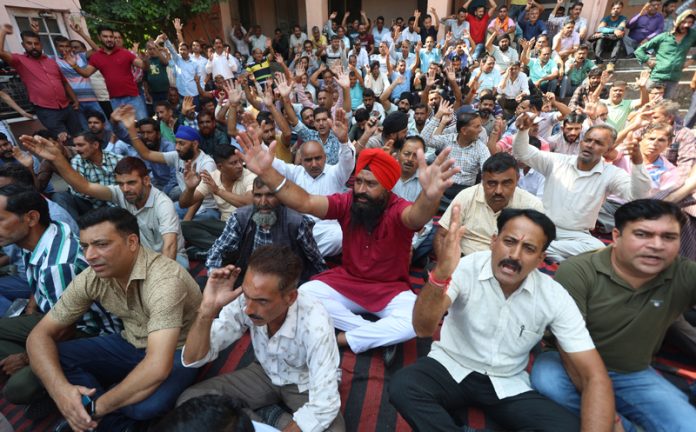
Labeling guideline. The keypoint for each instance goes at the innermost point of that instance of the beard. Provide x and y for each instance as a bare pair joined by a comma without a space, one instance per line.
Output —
367,214
188,155
264,219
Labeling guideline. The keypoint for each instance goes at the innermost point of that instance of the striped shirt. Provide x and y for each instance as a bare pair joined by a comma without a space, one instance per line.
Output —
102,174
51,267
81,86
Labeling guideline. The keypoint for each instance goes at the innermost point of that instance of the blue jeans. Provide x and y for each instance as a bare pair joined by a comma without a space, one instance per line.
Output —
567,88
104,361
479,50
86,108
690,118
201,214
12,287
136,102
643,398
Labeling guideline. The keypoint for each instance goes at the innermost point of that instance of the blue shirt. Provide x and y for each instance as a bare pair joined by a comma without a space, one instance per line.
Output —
163,176
331,146
403,87
530,30
184,71
434,56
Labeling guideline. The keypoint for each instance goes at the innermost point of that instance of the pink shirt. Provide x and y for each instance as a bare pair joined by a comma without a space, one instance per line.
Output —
375,265
43,80
116,68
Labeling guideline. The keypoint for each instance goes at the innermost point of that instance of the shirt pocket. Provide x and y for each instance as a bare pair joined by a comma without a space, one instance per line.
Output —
521,338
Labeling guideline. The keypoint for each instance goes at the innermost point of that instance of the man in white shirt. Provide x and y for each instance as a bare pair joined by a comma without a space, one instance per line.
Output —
513,87
379,31
576,186
257,40
318,178
297,360
498,306
221,62
297,40
504,55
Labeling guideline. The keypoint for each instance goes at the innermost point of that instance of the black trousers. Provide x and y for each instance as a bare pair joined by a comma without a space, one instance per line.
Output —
425,394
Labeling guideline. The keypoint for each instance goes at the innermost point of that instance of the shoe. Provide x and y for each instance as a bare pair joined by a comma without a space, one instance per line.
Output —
63,426
389,355
40,409
610,67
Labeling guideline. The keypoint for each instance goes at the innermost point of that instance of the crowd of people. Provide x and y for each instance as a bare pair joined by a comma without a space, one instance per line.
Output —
310,172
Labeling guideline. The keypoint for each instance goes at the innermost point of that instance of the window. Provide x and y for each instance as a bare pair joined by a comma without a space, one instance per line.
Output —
48,29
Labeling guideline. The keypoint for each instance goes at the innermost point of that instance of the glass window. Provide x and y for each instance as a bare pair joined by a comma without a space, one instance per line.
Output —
48,29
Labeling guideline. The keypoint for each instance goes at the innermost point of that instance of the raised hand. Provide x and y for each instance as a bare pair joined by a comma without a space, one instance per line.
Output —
219,290
445,111
451,251
339,125
257,159
449,72
282,84
34,24
524,121
342,78
75,26
23,158
431,78
191,178
279,58
268,94
124,114
41,147
436,177
642,80
177,25
208,181
187,106
632,149
234,92
299,72
70,59
498,126
7,28
333,15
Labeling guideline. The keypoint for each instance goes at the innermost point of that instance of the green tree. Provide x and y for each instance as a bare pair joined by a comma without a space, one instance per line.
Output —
139,20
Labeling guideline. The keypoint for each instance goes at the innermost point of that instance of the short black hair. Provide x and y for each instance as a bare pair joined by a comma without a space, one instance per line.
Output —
463,119
58,39
3,136
280,261
103,28
89,114
368,92
21,199
222,152
89,137
148,121
361,114
122,219
28,34
535,216
164,103
499,162
574,118
486,96
18,173
416,138
647,209
215,413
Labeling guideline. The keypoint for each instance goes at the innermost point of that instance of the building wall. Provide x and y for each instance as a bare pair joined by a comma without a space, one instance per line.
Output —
60,9
206,26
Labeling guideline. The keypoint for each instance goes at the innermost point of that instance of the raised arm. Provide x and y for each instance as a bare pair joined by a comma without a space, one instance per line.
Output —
6,56
433,301
77,28
434,179
260,162
179,27
86,72
285,89
126,115
50,151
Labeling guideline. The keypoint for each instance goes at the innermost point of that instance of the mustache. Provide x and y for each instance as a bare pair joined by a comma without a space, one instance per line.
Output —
254,316
511,263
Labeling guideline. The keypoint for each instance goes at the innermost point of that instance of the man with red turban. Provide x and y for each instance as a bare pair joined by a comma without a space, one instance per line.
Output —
377,230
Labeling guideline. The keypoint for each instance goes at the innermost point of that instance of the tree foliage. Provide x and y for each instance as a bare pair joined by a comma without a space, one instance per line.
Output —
139,20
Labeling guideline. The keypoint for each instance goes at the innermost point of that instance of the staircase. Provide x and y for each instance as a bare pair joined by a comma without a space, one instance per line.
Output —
629,69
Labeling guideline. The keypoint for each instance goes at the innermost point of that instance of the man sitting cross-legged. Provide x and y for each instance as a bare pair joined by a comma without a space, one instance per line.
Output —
296,353
131,376
498,306
629,294
377,230
160,229
265,222
316,177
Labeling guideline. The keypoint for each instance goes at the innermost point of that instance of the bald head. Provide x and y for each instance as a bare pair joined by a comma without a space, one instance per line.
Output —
313,158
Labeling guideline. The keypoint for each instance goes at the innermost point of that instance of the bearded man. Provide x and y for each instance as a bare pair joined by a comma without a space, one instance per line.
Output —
262,223
377,230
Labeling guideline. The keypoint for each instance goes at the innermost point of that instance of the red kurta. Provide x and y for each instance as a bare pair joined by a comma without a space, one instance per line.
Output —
375,266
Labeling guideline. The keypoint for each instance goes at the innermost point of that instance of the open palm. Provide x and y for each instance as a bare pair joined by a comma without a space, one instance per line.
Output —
41,147
255,156
219,287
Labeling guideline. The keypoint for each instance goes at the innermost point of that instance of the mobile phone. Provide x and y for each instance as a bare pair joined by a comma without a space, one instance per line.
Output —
89,405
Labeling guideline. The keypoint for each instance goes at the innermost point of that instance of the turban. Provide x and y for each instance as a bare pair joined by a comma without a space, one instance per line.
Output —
188,134
385,168
394,122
